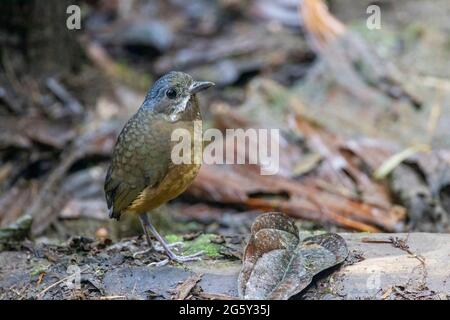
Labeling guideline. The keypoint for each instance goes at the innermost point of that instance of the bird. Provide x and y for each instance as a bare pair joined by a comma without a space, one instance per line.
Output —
142,175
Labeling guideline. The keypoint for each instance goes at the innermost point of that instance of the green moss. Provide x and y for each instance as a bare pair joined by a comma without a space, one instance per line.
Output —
202,243
38,269
99,272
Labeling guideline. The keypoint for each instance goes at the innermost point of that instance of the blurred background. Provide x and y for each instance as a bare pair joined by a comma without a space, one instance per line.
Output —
362,103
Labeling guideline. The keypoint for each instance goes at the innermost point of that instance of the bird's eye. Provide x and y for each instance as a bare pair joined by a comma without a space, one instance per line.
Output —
171,93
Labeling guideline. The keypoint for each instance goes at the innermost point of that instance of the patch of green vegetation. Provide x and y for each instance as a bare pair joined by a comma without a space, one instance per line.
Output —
38,269
309,265
99,272
202,243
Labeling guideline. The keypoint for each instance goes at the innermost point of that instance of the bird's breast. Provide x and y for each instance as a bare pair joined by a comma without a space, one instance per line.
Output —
178,178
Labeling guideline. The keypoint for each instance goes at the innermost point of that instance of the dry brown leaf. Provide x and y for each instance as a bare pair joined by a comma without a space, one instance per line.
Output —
278,265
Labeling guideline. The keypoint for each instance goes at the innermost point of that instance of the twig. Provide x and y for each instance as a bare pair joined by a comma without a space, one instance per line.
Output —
215,296
9,102
390,164
397,243
20,294
41,277
112,297
64,96
367,240
402,245
40,294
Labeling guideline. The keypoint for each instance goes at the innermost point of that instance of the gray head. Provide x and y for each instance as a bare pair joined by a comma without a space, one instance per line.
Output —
171,93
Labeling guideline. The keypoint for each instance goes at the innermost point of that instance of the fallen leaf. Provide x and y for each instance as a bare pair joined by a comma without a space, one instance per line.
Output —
307,164
183,290
278,265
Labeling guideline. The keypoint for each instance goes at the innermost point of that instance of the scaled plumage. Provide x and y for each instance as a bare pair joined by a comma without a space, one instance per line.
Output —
142,176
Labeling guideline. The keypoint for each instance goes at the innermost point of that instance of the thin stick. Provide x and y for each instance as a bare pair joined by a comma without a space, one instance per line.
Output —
40,294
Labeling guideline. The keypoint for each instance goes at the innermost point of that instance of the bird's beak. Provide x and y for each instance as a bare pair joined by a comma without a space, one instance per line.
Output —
198,86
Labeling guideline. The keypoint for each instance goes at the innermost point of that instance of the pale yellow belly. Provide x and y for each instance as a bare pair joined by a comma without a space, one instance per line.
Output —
174,183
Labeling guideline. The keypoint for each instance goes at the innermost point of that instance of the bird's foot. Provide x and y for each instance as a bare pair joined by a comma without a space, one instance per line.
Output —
177,258
158,248
159,263
181,259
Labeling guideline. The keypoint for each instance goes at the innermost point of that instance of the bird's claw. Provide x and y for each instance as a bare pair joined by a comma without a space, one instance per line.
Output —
177,258
159,263
174,245
158,248
192,257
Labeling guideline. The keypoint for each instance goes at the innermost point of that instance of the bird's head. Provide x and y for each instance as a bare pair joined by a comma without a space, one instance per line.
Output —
171,93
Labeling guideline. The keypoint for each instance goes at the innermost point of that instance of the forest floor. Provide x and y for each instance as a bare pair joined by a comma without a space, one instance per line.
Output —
379,266
355,155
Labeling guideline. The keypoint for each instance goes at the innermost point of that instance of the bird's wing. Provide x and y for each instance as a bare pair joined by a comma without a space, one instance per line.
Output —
141,159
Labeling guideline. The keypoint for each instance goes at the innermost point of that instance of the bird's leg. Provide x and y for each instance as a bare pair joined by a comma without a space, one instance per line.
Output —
151,245
170,254
142,218
147,237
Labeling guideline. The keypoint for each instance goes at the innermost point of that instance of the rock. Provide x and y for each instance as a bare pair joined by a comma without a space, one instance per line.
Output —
147,33
384,271
219,284
142,282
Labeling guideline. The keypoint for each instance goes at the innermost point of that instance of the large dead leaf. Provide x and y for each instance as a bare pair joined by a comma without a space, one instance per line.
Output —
278,265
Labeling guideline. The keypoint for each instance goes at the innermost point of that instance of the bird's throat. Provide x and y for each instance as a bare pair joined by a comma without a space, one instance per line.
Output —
186,110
